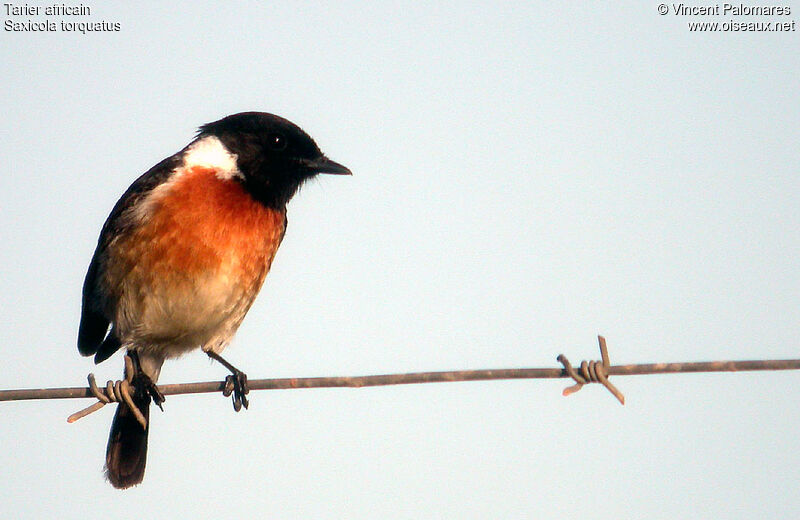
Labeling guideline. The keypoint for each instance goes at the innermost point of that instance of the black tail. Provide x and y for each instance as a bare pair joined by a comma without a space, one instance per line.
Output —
126,454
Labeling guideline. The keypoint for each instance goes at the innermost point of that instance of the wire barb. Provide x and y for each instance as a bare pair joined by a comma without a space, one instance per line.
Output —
591,372
115,392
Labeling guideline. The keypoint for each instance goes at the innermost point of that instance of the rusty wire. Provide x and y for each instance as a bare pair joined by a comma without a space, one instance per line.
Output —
590,372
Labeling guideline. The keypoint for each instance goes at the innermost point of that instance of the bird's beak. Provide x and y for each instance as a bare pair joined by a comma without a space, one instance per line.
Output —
325,165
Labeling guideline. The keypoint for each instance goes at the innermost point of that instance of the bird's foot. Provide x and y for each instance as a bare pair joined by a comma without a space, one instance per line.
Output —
145,388
235,384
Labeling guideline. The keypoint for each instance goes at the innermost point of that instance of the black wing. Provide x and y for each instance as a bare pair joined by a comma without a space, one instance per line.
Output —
93,334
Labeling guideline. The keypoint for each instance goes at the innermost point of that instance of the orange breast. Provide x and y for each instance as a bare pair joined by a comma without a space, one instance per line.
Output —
195,227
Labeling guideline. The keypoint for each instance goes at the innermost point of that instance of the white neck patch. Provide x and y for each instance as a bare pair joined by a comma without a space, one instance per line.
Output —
209,152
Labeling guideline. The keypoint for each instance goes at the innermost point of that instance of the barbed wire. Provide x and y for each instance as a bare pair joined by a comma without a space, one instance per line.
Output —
589,372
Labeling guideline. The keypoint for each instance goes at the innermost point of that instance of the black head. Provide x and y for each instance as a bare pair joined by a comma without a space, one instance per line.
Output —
274,155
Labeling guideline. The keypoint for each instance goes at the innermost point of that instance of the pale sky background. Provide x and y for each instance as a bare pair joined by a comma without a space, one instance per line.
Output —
526,176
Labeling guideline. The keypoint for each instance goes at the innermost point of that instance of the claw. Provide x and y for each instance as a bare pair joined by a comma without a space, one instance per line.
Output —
227,390
158,397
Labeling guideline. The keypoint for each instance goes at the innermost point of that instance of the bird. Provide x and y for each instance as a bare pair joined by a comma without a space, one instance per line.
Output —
182,256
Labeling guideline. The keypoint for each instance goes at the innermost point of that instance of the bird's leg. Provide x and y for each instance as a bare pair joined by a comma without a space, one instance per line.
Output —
235,384
143,386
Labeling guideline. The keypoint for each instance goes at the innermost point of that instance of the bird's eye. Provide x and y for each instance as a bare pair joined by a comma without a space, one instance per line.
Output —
277,142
